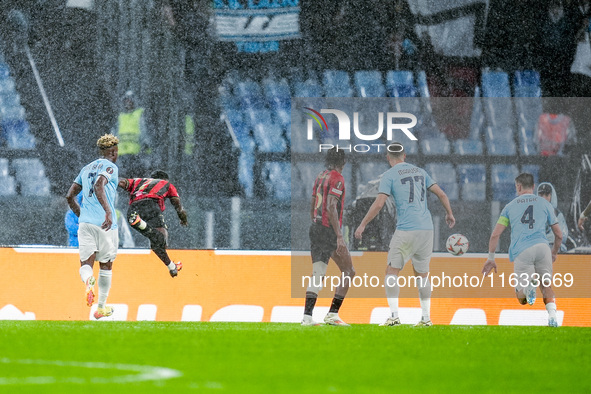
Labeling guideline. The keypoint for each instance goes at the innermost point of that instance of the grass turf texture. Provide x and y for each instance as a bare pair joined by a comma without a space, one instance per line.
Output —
270,357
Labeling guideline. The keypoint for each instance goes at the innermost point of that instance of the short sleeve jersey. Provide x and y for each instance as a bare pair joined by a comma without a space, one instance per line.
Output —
157,189
528,216
328,183
91,210
408,185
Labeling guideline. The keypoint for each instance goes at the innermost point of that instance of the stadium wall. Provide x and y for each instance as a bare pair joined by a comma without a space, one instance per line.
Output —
255,286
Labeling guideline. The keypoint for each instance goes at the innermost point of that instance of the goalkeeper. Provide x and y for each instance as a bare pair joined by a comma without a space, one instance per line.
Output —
146,204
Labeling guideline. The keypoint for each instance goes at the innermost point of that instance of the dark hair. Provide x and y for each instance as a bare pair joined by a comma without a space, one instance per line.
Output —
396,150
159,174
526,180
545,189
335,157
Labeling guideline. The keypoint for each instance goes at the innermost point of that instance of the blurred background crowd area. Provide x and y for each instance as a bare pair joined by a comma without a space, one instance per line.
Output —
209,84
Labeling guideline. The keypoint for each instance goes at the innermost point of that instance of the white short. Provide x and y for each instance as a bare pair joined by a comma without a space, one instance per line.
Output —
92,238
416,245
537,258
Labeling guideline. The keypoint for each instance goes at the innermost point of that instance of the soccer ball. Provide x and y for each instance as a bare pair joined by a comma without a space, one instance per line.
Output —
457,244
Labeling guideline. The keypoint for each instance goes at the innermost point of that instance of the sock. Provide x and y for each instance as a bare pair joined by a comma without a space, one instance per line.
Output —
337,301
425,297
392,292
551,308
104,285
142,225
310,302
171,266
85,272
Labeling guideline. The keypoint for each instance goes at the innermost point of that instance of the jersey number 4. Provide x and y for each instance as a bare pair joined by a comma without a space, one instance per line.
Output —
528,216
418,178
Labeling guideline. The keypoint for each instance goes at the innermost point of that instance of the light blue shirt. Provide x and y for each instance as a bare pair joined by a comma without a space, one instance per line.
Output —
527,215
408,185
91,210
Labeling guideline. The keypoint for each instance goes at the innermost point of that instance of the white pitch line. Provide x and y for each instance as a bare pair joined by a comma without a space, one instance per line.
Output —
143,373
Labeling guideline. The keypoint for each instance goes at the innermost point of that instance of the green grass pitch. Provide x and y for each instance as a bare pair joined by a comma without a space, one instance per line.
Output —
117,357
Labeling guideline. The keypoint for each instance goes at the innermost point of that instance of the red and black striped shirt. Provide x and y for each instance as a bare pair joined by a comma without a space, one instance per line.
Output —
158,189
329,182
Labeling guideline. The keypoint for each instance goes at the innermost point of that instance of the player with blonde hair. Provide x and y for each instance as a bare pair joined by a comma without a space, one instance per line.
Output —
97,234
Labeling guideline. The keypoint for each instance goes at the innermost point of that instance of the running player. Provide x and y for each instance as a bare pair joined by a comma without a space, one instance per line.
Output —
413,238
532,258
326,238
146,204
97,234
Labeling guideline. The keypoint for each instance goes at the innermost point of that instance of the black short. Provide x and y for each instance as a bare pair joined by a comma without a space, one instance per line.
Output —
323,242
149,211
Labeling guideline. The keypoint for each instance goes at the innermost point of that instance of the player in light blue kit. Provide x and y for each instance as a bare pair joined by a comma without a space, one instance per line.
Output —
413,238
97,234
532,258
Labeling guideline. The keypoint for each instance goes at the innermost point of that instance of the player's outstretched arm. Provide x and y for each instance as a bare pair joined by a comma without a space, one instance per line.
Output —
444,200
75,189
373,211
123,183
586,212
180,211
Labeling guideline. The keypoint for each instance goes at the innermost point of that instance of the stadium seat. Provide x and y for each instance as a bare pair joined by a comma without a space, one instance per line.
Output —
269,138
228,101
468,147
422,85
17,134
520,317
411,147
283,117
239,127
534,170
435,146
28,168
369,171
7,186
526,83
472,182
246,169
192,313
6,85
503,181
250,94
308,88
337,83
3,167
277,176
277,94
400,84
444,174
369,84
495,84
4,70
527,142
501,147
477,117
10,99
12,113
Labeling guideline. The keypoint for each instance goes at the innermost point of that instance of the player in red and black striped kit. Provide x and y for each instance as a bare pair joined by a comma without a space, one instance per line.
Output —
326,238
146,204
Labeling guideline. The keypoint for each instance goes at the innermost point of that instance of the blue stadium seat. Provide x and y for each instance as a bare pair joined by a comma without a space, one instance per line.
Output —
4,70
369,84
400,84
7,186
435,146
444,174
468,147
7,85
503,181
257,116
526,84
269,138
422,85
306,173
17,134
527,143
472,182
3,167
495,84
277,176
283,117
411,147
250,94
277,94
477,117
239,127
30,174
501,148
498,134
534,170
228,101
245,169
337,83
369,171
308,88
10,99
12,113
